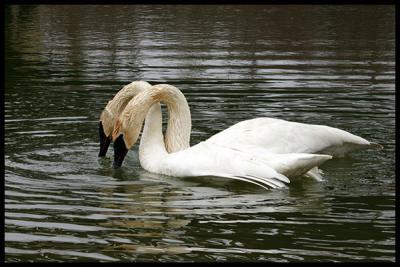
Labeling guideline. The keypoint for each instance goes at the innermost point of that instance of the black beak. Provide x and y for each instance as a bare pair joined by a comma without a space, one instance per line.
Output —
104,141
120,151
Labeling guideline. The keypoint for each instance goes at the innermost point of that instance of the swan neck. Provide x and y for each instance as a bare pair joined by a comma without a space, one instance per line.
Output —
179,122
177,136
152,148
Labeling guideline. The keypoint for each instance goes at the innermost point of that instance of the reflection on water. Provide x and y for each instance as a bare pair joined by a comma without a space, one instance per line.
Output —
316,64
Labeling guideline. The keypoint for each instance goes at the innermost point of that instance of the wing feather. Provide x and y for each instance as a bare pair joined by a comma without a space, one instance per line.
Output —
281,136
208,160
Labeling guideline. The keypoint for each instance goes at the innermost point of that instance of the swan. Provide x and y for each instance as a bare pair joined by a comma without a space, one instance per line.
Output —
251,162
205,159
275,135
114,108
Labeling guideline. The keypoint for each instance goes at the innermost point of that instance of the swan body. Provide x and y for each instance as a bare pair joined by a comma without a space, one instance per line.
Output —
264,151
206,159
274,135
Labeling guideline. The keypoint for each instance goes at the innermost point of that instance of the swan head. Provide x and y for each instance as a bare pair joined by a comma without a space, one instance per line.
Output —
124,137
120,151
114,108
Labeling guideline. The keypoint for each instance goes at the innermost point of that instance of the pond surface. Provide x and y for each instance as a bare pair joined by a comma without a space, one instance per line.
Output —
332,65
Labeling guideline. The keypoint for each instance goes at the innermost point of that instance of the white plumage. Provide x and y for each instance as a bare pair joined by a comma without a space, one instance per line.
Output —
264,151
208,159
281,136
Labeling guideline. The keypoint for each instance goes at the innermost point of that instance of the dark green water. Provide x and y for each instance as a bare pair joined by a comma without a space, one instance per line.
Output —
331,65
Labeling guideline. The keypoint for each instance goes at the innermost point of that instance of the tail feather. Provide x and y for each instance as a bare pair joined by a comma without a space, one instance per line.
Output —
315,173
375,145
264,183
293,164
274,183
270,183
302,163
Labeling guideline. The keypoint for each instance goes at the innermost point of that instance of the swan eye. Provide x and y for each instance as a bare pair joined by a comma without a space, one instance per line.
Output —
120,151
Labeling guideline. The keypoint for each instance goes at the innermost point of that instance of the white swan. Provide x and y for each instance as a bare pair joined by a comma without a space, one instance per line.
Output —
240,159
274,135
205,159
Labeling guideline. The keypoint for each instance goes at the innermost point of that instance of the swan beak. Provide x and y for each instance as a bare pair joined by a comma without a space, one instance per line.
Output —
104,141
120,151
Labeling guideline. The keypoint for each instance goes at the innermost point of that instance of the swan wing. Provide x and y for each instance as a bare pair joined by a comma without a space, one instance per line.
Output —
208,160
281,136
255,166
289,164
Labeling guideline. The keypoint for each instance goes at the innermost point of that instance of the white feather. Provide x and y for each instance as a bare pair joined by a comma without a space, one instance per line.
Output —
281,136
264,151
207,159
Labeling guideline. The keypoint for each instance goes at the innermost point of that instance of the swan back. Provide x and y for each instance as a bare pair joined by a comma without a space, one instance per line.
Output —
281,136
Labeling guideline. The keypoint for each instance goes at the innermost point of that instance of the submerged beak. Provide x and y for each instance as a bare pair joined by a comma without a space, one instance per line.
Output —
120,151
104,141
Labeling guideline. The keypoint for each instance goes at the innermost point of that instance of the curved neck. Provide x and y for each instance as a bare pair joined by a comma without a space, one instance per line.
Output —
177,136
115,106
179,122
152,147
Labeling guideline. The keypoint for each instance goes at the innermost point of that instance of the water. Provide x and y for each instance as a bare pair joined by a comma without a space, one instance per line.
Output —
331,65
